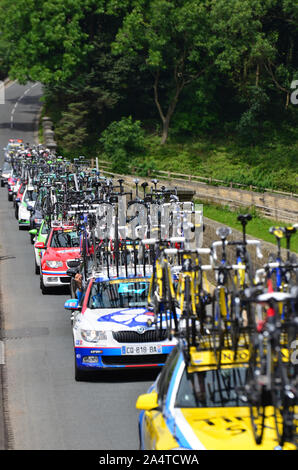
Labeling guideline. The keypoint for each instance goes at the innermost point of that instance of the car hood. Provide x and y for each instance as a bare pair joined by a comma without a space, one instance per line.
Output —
62,254
222,428
116,319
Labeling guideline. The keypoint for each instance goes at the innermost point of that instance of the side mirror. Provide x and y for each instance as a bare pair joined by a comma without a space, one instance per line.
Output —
71,272
72,304
33,231
40,245
147,401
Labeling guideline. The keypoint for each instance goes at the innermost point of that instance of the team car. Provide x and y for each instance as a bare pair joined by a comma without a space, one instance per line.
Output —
39,235
199,407
62,246
6,173
25,205
13,146
113,327
11,184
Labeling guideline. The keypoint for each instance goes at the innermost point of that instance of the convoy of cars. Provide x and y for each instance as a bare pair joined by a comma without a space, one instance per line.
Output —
132,306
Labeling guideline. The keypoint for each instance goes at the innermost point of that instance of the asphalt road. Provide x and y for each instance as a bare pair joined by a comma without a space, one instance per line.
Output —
44,408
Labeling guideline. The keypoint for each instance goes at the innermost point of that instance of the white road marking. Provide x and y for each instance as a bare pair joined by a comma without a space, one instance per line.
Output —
17,102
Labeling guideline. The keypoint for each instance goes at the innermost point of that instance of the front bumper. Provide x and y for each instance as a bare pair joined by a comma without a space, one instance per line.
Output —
24,223
88,358
54,278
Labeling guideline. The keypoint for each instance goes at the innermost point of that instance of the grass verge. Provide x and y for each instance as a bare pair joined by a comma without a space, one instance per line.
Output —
258,227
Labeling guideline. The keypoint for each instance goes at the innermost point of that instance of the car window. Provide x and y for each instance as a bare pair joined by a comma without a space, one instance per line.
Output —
117,293
166,374
211,388
6,167
30,196
65,239
44,229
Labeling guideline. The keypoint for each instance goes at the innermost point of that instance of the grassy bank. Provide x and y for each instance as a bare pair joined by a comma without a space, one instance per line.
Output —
258,227
271,165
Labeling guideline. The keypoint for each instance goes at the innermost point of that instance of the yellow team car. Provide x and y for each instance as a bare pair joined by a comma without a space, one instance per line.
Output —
198,408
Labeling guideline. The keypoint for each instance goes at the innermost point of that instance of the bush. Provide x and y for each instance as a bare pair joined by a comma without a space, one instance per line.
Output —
121,140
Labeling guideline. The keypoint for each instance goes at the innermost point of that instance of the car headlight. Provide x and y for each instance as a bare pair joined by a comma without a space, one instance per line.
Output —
54,264
93,336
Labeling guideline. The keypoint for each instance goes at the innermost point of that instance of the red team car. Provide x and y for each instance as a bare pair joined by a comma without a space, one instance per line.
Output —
61,247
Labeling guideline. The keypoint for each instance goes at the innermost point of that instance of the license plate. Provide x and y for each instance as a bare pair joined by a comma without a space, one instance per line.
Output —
142,350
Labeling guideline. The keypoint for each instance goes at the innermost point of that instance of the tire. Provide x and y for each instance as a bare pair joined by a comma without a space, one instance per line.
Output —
2,184
257,415
37,268
218,334
9,197
259,399
80,375
44,289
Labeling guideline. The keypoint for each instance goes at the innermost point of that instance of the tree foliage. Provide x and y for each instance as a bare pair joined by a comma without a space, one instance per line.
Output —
180,66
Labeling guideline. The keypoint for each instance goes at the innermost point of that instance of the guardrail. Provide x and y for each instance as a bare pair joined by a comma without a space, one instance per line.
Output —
169,175
198,182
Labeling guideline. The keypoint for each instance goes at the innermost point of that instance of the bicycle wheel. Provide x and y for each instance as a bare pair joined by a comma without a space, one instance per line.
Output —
256,407
284,400
256,390
235,322
218,335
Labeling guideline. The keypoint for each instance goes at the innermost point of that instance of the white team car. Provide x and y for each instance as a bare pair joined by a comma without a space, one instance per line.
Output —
112,327
27,202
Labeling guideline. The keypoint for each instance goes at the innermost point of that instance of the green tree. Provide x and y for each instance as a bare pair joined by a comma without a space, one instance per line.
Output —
120,141
173,38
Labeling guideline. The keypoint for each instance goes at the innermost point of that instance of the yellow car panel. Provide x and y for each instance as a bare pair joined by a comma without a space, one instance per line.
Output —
167,426
158,435
229,428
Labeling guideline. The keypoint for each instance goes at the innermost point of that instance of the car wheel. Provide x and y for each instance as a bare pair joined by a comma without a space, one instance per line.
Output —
37,269
80,375
2,184
43,288
9,197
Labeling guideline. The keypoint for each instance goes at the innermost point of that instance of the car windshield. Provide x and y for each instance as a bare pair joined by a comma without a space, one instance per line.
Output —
44,229
119,293
30,195
211,388
6,167
65,239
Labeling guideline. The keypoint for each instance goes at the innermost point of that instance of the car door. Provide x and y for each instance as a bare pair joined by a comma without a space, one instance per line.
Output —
156,434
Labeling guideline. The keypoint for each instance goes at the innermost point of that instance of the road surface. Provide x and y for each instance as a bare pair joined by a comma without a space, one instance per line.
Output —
44,408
